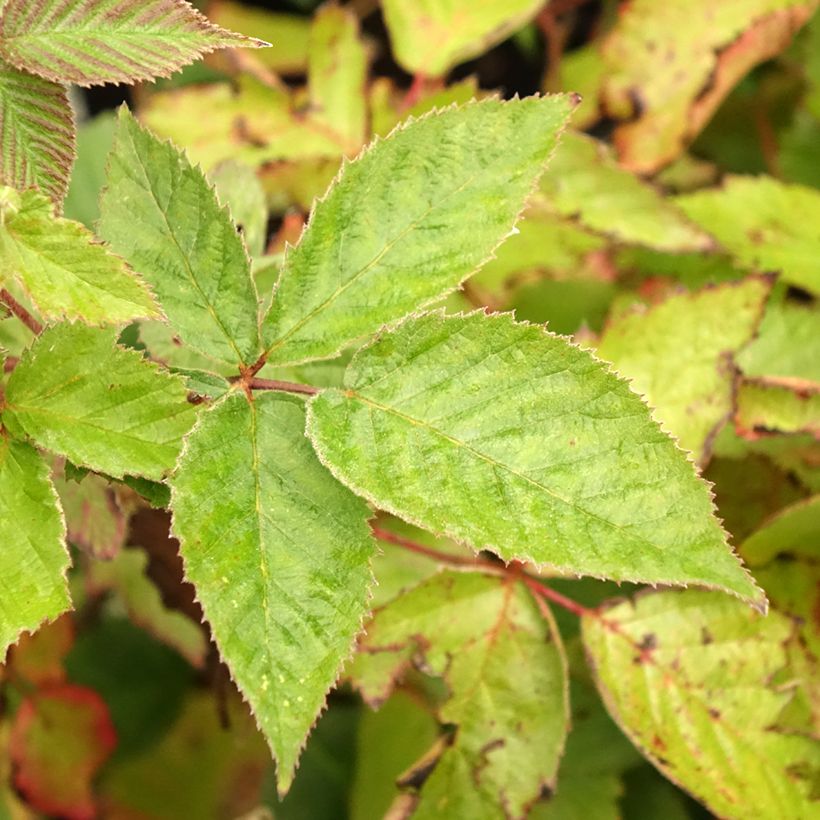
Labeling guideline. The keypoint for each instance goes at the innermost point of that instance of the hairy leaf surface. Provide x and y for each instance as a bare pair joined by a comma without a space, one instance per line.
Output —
765,224
507,437
474,631
688,676
162,216
99,405
90,42
279,553
430,36
37,133
33,558
678,354
66,272
410,219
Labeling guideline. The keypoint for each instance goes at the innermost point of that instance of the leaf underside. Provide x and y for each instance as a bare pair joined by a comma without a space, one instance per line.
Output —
505,436
89,42
37,133
425,207
279,553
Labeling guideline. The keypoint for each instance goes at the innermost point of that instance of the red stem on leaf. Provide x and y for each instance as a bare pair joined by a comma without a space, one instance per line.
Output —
20,312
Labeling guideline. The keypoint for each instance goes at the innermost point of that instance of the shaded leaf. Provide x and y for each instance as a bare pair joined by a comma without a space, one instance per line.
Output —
60,738
96,522
793,530
426,207
33,559
430,37
67,273
557,462
678,356
279,554
90,42
94,140
162,216
125,574
101,406
238,187
37,132
765,224
688,677
473,630
585,182
337,75
38,657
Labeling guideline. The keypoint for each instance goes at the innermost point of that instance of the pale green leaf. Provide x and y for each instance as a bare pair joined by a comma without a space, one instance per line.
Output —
677,354
337,74
584,182
125,575
474,630
33,558
162,216
766,407
688,677
101,406
67,273
667,67
785,348
96,523
793,530
279,553
429,37
505,436
90,42
37,133
238,187
423,208
765,224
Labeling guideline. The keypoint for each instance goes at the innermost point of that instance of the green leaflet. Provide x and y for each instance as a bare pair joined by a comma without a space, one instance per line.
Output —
337,75
67,274
585,183
279,553
504,667
763,406
90,42
238,187
94,140
688,676
765,224
33,558
430,36
37,133
794,529
505,436
162,216
101,406
410,219
678,355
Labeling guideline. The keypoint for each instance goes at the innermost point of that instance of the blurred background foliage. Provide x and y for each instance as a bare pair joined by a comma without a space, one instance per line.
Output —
683,200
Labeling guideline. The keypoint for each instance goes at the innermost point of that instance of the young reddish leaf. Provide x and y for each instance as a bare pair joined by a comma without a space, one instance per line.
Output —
37,133
38,657
89,42
60,738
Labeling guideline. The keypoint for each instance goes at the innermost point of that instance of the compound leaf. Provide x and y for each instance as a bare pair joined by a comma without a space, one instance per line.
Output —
89,42
160,213
425,208
67,274
279,553
33,558
101,406
508,437
689,677
430,36
678,354
472,630
37,133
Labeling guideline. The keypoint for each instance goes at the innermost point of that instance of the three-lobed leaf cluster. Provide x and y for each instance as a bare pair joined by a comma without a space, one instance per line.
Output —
502,435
